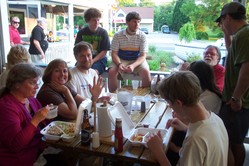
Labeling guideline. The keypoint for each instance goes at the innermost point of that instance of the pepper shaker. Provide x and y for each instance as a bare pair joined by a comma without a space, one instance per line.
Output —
143,107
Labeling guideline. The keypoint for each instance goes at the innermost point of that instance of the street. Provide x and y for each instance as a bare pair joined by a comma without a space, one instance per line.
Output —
162,41
171,43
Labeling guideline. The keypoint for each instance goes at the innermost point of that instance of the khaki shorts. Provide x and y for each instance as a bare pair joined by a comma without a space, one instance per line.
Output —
144,65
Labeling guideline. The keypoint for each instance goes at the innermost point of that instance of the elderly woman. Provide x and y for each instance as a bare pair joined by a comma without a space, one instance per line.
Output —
55,91
17,54
20,117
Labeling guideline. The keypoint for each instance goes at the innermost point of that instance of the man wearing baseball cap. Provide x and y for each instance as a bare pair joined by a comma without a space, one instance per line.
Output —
235,95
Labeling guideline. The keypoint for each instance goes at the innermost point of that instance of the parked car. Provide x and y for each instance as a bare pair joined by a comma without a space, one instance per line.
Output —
165,29
145,30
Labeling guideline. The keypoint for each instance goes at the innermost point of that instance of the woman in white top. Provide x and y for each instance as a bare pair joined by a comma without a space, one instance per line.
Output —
210,97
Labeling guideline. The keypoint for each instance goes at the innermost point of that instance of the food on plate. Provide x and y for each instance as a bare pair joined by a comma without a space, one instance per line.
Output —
67,128
54,130
137,137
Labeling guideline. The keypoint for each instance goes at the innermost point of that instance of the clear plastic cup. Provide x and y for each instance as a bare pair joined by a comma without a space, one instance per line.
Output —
135,84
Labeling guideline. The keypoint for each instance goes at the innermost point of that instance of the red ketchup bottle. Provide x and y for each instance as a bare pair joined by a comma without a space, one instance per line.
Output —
118,146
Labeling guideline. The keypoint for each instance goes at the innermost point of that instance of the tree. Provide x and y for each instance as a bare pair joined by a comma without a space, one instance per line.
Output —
187,32
126,3
146,3
204,13
179,19
163,15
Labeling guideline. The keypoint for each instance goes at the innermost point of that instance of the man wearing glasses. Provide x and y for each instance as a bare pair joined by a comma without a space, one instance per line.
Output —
235,95
14,33
212,56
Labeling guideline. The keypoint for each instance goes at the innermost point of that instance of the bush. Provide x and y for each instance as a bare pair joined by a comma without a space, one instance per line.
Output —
160,57
193,57
154,64
201,36
152,49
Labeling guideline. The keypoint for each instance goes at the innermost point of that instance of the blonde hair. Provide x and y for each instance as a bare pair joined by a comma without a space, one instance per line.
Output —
183,86
17,54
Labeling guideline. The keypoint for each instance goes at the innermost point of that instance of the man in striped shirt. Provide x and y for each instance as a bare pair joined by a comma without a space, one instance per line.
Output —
129,48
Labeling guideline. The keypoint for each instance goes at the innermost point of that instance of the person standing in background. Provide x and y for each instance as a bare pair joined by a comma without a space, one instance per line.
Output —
96,36
235,96
38,44
14,33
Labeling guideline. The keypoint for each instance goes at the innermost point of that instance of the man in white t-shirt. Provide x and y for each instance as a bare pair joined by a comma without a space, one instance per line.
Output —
206,141
83,76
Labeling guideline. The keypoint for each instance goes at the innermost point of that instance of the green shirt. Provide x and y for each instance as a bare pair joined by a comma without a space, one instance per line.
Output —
238,53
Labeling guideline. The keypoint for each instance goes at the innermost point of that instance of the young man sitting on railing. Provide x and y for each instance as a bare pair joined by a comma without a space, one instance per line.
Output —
129,48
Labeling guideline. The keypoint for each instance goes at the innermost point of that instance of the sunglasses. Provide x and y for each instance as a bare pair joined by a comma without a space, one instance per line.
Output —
14,22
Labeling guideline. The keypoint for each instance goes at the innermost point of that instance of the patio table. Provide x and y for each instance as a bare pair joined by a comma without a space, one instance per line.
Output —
157,116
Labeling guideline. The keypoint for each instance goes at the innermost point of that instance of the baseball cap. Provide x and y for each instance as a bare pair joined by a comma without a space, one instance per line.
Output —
232,8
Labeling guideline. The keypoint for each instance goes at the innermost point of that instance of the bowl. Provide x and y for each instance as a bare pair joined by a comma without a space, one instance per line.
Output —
53,112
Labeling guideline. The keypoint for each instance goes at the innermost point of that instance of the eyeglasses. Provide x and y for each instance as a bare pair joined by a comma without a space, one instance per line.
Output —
35,83
14,22
210,53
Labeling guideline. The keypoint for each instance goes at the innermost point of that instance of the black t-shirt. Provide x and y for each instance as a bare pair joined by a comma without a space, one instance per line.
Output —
38,34
99,39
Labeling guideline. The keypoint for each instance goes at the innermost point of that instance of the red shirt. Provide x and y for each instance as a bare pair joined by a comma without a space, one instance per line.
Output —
219,73
14,35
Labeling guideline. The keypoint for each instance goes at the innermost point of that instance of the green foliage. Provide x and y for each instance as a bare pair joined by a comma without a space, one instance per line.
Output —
126,3
159,57
193,57
146,3
187,32
163,15
201,36
152,49
154,65
179,19
111,33
79,20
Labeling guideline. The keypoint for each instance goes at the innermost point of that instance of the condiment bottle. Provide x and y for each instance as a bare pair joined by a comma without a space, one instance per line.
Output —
118,146
85,129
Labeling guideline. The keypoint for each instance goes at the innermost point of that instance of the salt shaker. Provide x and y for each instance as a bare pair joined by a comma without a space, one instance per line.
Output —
95,139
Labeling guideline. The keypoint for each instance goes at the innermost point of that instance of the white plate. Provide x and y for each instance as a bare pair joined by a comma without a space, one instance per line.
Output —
64,136
143,134
117,110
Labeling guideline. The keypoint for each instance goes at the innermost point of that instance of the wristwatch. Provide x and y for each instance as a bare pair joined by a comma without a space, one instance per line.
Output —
234,99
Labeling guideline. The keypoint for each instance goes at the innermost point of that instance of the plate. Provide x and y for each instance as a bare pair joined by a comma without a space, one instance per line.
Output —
117,110
140,136
62,130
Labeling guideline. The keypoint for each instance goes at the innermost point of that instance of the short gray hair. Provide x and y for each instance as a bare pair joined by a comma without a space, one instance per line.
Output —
41,20
21,72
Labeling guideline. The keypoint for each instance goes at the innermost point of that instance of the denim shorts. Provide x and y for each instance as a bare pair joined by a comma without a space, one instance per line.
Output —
100,65
236,123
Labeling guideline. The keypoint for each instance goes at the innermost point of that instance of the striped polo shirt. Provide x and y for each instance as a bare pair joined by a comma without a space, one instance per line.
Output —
129,47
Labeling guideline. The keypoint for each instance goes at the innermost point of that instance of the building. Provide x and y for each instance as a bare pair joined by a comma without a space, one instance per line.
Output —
147,14
29,10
